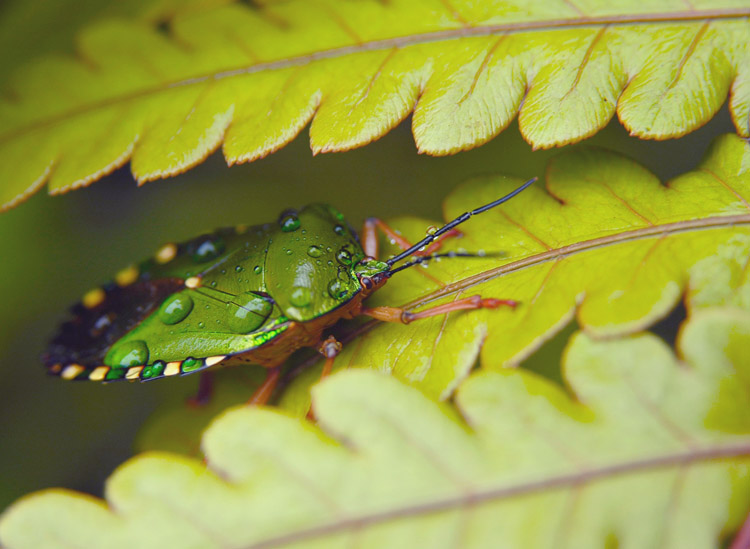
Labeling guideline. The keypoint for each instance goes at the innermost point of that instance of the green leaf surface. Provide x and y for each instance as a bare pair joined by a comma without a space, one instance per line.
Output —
253,78
642,451
602,240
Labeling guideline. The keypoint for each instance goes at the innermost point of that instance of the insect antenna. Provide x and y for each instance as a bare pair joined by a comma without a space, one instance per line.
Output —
452,224
425,258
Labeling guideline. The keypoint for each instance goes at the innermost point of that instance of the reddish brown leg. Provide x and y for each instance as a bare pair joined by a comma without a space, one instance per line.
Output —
330,348
205,390
396,314
742,540
370,238
263,393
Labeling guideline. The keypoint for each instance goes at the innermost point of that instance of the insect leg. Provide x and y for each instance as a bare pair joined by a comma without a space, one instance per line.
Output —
263,393
205,390
370,239
742,540
397,314
330,348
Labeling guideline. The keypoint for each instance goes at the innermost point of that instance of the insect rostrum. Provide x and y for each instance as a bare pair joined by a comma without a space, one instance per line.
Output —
246,294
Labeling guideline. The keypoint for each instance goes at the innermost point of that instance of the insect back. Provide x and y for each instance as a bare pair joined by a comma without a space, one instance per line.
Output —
310,262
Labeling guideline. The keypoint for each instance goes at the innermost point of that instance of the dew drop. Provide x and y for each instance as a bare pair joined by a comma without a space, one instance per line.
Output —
301,296
337,289
289,252
239,269
339,230
206,248
250,311
130,353
344,257
175,308
201,325
257,269
289,222
314,251
213,284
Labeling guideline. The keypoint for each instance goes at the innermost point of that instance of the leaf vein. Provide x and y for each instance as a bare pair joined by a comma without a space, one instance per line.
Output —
507,491
398,42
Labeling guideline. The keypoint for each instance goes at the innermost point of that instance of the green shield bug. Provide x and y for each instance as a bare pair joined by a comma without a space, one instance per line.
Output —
252,295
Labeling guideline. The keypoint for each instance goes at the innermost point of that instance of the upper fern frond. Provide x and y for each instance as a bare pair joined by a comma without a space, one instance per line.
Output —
253,78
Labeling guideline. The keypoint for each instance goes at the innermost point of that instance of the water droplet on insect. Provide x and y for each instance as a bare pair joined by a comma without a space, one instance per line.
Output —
289,222
175,308
301,296
130,353
336,289
213,284
250,312
318,262
201,325
289,252
330,263
314,251
223,271
257,270
432,229
329,249
239,268
206,248
339,230
344,257
481,253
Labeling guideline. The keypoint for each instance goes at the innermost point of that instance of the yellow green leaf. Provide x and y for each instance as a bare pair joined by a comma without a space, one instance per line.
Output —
251,78
641,450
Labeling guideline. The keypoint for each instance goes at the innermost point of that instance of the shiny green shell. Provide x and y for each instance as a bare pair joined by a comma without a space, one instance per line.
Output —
220,294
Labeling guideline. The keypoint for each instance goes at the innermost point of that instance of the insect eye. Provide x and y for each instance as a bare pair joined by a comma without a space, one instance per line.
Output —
366,282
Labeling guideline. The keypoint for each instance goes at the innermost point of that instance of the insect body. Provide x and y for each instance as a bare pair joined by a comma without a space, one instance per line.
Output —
251,295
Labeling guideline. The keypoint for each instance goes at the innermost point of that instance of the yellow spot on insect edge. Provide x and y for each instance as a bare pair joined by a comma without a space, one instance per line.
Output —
94,297
172,368
127,276
166,253
134,372
210,361
55,368
193,282
240,229
71,371
99,373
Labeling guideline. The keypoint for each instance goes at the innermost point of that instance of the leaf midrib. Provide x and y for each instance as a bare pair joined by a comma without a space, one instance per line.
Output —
392,43
505,491
583,246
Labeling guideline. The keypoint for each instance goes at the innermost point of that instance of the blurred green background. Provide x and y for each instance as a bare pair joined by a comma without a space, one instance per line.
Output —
53,249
